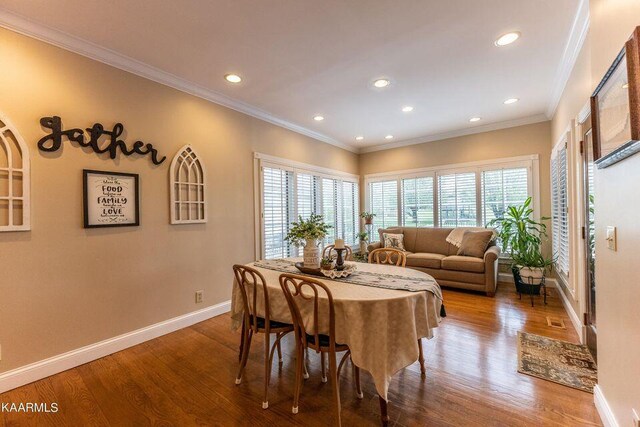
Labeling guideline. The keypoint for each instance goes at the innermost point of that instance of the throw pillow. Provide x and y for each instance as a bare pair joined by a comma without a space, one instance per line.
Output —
395,241
474,243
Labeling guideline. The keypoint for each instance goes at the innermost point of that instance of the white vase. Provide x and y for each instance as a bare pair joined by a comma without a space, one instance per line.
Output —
531,275
311,254
363,247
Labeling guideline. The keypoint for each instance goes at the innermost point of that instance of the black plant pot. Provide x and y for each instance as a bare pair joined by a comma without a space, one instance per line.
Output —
523,287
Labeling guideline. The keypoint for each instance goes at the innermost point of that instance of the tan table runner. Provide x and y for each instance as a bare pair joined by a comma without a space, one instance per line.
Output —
381,326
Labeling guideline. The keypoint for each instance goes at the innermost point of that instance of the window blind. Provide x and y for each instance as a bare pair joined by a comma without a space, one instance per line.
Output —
457,200
502,188
350,214
559,206
417,202
383,202
277,211
307,192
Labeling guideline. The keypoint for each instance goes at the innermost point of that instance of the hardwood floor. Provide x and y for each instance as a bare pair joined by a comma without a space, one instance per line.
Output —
187,378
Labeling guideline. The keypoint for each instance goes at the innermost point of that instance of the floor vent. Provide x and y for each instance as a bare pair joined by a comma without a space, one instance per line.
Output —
555,322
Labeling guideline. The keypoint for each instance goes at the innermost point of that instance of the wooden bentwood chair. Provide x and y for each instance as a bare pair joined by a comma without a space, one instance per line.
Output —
386,256
303,292
330,252
251,282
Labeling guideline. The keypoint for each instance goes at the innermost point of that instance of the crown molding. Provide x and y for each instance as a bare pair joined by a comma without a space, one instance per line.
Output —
460,132
577,36
22,25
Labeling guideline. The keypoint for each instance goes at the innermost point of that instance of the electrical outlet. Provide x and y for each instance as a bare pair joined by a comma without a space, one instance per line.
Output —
199,296
612,238
636,418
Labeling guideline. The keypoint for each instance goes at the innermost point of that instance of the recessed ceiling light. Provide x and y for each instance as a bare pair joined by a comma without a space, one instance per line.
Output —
233,78
388,137
380,83
318,118
474,119
359,138
625,86
407,109
511,101
508,38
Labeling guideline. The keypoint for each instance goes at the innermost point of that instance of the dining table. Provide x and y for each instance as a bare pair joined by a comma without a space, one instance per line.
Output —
381,312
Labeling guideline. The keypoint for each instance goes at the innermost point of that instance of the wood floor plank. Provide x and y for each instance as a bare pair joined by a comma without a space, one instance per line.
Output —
187,378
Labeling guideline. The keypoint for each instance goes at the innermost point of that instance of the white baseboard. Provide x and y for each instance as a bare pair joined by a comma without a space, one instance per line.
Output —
53,365
575,319
604,410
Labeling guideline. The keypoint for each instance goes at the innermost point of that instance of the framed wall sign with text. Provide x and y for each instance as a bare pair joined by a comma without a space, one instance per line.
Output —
111,199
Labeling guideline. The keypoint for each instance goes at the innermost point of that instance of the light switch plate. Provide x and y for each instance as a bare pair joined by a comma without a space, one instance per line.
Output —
611,238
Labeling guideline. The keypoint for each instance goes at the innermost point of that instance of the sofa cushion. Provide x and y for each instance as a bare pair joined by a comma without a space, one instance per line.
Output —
390,230
463,263
393,240
425,260
474,243
433,241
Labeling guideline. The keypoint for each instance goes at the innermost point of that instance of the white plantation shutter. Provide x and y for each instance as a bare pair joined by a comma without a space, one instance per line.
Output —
277,211
457,200
307,192
350,224
417,202
559,207
383,202
502,188
330,208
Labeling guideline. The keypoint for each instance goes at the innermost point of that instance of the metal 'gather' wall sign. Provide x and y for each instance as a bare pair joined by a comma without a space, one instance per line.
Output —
92,138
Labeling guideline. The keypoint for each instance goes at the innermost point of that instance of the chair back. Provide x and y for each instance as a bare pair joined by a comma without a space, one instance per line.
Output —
303,292
250,281
330,252
390,256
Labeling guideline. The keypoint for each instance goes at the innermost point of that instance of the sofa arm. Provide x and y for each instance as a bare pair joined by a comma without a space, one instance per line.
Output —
375,245
491,269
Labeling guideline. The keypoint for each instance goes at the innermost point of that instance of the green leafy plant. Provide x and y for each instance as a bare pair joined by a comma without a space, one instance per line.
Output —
368,216
302,230
521,236
326,263
363,237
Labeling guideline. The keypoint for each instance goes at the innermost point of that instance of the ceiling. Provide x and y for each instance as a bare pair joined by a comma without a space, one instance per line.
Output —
299,58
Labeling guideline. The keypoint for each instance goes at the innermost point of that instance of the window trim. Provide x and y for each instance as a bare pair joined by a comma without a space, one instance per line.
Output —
531,162
264,160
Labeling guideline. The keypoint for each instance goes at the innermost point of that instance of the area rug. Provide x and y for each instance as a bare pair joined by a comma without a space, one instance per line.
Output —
557,361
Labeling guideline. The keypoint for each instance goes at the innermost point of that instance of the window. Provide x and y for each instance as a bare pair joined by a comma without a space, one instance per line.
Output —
465,195
502,188
15,201
417,202
288,192
277,211
559,209
383,196
457,205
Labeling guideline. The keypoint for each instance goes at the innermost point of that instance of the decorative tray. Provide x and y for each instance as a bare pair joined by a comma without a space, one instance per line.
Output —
332,274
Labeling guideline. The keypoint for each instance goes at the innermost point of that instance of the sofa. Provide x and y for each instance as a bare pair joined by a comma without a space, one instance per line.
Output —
427,250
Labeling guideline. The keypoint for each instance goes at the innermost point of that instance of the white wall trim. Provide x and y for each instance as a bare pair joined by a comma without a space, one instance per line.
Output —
333,173
604,410
459,132
575,319
53,365
584,113
22,25
577,36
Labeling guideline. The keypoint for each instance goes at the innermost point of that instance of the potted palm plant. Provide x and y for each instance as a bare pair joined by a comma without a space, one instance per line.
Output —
521,237
308,233
368,217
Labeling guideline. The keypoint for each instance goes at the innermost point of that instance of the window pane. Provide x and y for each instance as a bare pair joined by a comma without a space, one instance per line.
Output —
417,202
307,189
350,212
330,208
384,204
502,188
560,220
457,200
277,210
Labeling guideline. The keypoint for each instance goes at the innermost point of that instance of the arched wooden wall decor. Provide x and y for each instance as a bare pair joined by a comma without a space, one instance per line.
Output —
187,188
15,195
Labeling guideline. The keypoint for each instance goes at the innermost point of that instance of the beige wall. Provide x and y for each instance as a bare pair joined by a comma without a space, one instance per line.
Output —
617,203
63,287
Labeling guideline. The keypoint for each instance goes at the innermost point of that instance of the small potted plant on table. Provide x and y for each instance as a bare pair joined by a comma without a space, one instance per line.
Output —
308,233
368,217
521,237
326,263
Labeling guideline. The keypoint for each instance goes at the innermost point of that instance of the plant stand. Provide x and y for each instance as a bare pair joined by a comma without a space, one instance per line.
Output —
527,286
